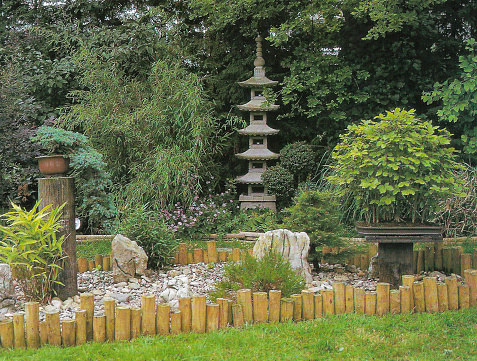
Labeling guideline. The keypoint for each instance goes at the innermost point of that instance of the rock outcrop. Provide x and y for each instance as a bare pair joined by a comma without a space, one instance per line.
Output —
128,259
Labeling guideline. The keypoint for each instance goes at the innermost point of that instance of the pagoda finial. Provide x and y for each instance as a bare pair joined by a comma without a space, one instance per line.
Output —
259,61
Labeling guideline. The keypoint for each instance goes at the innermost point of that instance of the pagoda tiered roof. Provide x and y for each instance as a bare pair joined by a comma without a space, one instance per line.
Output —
258,104
258,154
250,178
256,128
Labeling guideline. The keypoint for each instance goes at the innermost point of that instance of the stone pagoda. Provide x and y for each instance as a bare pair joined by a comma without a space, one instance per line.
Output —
258,153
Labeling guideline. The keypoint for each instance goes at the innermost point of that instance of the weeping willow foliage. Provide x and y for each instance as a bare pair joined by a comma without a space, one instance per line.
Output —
154,133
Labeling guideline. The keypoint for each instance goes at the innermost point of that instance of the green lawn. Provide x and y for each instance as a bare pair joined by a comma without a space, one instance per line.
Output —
445,336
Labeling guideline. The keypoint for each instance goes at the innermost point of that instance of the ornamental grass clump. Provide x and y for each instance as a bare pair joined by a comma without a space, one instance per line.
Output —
29,244
396,167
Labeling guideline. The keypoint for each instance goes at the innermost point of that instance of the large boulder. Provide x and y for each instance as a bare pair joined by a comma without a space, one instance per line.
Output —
128,258
291,246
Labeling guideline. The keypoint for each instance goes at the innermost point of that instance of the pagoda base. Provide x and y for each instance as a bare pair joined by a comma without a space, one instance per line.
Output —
264,201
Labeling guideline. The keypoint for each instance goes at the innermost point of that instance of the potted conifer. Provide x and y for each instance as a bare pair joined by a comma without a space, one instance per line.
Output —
396,167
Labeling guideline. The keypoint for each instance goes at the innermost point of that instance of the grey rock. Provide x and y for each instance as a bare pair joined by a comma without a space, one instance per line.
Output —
128,259
121,297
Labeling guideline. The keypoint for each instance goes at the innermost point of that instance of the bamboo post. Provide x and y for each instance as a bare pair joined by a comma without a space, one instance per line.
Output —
406,297
91,265
198,255
206,257
80,321
106,263
274,297
430,294
6,333
68,333
235,255
349,294
287,306
452,293
19,330
185,306
420,261
447,259
43,333
176,322
83,265
328,302
212,251
148,306
110,313
54,331
223,312
182,253
442,297
237,315
222,256
198,314
395,302
470,277
382,298
465,263
318,298
463,296
87,304
244,297
98,261
456,252
340,297
308,304
122,327
32,318
99,328
260,306
408,280
370,299
438,256
298,307
419,298
359,301
230,304
212,311
162,319
429,258
135,322
190,257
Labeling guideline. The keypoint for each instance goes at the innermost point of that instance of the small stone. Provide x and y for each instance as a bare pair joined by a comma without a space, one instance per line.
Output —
173,273
121,284
121,297
133,280
134,286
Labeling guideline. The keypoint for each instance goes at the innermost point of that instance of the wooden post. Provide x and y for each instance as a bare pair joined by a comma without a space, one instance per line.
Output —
199,314
474,259
328,302
68,333
274,297
123,323
463,296
406,297
340,297
260,307
298,307
430,294
465,263
43,333
32,318
364,262
318,298
98,261
359,301
6,333
185,306
56,191
110,313
212,251
237,315
419,298
87,304
135,322
19,330
244,297
308,305
190,257
235,254
286,309
438,256
107,263
99,328
183,253
420,261
349,294
447,259
408,280
82,264
212,311
198,255
176,322
452,293
148,306
372,250
429,258
54,331
162,318
470,277
223,312
442,298
456,252
222,256
230,304
395,302
370,299
382,298
80,320
415,255
206,257
91,265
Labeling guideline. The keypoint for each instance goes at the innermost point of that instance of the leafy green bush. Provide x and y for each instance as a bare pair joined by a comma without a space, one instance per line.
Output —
318,214
151,233
30,245
272,272
280,182
298,158
258,219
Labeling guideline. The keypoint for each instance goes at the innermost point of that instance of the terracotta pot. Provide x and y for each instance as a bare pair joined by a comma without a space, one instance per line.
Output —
53,165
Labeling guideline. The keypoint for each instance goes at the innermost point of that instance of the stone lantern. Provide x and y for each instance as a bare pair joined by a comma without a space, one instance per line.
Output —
258,154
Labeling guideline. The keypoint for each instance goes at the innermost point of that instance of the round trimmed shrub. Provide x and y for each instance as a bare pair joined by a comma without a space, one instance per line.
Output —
298,158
